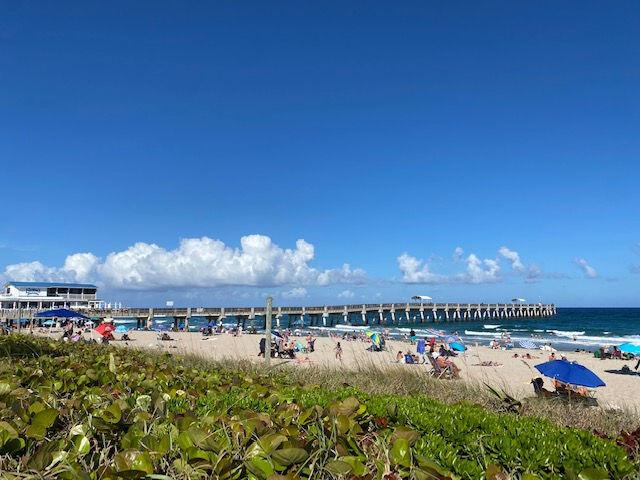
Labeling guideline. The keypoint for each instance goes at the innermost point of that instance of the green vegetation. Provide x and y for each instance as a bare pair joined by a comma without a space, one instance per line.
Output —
91,412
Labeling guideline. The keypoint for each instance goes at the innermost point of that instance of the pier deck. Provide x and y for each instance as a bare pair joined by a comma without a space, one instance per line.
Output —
326,315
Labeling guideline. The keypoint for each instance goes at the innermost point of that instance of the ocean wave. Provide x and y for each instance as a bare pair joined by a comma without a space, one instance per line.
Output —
351,327
562,333
491,327
481,334
604,340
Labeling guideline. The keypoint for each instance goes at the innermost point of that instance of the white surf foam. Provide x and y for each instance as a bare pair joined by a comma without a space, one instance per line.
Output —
481,334
562,333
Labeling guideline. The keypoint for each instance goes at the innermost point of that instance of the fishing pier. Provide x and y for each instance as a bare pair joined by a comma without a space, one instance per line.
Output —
331,315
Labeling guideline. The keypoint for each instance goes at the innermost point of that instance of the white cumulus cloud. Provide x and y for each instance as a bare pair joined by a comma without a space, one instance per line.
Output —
196,262
513,257
457,254
417,271
587,270
346,294
297,292
480,271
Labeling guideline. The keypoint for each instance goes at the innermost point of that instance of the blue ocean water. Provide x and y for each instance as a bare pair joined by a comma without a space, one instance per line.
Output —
569,329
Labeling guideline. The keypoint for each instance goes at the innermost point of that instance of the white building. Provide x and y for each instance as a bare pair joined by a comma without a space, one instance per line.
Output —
45,295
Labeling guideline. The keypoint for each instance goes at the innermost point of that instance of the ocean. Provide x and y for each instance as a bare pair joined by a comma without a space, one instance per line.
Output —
569,329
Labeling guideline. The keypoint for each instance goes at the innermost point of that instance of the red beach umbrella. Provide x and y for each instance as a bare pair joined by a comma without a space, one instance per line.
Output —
104,329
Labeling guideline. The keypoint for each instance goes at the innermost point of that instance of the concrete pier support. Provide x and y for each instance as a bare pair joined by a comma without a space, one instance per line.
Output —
187,319
446,312
435,314
421,315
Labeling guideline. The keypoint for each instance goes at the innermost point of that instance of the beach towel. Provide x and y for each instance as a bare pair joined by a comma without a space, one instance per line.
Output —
528,344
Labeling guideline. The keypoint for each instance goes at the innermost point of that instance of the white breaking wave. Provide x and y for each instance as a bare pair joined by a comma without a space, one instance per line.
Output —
351,327
491,327
482,334
562,333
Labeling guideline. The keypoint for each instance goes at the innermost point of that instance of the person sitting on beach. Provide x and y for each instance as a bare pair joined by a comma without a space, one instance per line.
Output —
538,388
445,352
445,363
399,357
494,344
552,356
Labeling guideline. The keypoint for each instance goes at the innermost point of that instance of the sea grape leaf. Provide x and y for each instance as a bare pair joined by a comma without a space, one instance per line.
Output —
290,456
45,418
400,453
41,421
338,467
81,445
408,434
271,441
133,463
358,468
593,474
260,467
112,414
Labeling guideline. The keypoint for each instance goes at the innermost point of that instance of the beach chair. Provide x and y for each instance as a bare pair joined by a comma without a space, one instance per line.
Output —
437,371
540,391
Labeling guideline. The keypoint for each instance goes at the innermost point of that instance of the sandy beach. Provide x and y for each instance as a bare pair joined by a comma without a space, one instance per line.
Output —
513,375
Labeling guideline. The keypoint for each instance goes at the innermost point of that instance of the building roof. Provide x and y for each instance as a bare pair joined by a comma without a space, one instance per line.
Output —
50,284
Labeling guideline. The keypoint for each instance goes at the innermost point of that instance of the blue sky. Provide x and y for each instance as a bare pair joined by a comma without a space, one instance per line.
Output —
381,134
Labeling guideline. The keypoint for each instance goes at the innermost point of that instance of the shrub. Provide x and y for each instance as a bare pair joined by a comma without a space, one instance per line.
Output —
89,411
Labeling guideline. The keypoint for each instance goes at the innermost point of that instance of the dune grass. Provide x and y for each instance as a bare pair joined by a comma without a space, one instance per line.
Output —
371,378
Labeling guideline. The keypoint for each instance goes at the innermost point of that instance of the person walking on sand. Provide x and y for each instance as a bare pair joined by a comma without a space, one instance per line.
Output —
338,350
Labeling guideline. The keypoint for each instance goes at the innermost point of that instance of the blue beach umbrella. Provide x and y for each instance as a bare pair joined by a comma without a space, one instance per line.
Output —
630,348
571,373
451,339
457,346
121,329
61,313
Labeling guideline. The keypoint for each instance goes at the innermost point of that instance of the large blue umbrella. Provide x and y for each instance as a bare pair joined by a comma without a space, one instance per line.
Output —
571,373
630,348
61,313
457,346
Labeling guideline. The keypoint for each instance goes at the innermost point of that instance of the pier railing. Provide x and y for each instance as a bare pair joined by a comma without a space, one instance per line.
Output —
328,314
